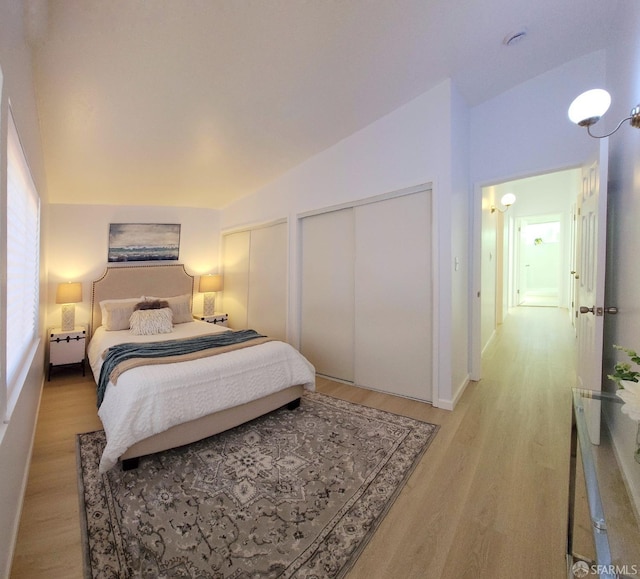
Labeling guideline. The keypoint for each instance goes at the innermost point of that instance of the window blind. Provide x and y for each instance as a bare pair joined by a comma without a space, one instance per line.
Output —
23,269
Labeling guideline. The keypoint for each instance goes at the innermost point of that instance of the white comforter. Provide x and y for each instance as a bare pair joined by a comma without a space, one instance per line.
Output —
150,399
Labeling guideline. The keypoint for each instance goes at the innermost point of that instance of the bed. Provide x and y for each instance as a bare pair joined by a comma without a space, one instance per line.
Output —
161,405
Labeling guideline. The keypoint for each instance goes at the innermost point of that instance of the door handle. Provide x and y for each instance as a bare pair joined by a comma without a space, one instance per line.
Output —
598,311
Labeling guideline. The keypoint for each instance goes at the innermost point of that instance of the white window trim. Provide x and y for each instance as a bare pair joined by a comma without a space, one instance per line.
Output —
10,391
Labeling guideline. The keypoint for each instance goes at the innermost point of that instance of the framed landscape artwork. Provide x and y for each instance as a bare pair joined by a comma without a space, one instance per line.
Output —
144,242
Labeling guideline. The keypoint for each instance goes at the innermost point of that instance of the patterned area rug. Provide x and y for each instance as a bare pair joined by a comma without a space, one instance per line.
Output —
292,494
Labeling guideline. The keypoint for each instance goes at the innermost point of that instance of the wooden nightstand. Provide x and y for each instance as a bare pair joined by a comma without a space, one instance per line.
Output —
66,348
217,318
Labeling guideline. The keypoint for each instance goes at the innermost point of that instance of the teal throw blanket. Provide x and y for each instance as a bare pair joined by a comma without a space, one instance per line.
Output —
122,352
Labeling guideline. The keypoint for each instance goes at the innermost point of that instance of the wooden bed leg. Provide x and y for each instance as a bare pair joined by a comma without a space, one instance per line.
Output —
130,463
293,404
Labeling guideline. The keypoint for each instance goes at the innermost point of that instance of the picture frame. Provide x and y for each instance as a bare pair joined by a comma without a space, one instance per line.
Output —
143,242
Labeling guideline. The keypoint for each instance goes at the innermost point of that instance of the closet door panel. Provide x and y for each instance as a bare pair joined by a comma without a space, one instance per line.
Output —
267,307
236,278
393,296
327,311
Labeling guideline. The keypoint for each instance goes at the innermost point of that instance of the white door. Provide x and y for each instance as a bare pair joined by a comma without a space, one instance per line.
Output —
327,299
255,279
573,285
393,296
590,273
235,251
267,307
366,304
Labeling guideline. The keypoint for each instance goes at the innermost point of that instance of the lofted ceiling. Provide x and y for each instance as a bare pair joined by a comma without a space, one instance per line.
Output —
198,102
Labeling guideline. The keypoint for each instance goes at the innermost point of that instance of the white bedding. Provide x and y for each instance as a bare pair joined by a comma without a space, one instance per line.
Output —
150,399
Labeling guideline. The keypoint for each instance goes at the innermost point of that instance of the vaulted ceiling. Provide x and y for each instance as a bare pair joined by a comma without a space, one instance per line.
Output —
198,102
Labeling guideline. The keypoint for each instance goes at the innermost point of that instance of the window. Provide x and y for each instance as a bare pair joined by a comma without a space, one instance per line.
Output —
23,267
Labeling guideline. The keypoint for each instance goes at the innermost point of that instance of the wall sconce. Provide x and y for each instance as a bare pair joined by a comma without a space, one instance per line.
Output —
69,294
508,199
209,284
587,109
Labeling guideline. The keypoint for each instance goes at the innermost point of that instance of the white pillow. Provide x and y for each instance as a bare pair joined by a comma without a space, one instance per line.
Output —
116,313
151,322
180,306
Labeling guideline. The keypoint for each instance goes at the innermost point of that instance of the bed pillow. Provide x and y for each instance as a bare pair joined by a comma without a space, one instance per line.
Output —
151,322
116,313
152,305
180,306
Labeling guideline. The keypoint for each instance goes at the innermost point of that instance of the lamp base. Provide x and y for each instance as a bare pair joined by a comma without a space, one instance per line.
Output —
68,317
209,304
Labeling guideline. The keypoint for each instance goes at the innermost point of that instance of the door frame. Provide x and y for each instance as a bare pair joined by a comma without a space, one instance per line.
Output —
475,252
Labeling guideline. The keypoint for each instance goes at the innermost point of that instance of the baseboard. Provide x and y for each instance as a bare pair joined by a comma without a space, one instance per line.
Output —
489,342
450,404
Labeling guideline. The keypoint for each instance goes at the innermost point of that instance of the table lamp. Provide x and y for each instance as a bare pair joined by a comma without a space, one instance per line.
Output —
209,284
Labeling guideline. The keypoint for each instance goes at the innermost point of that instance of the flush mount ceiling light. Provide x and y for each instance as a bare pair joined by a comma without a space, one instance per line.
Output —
587,109
508,199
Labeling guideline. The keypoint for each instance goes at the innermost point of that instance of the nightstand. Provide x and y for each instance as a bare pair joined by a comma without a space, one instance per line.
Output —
66,348
217,318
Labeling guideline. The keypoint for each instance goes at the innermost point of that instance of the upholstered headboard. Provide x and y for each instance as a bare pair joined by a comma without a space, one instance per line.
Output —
136,281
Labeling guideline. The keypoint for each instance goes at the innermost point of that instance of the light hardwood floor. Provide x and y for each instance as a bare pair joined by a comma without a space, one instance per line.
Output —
488,499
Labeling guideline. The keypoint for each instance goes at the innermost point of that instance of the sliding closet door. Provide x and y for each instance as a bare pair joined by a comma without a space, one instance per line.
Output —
235,251
393,296
267,308
327,312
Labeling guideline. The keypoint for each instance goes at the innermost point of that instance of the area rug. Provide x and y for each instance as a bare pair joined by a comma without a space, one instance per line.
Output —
296,493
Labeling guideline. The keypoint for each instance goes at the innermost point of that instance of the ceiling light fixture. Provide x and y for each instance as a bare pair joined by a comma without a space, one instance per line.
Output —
590,106
508,199
514,37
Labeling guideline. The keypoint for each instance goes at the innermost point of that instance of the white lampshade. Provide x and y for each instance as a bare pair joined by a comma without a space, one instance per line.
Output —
210,283
587,109
69,293
508,199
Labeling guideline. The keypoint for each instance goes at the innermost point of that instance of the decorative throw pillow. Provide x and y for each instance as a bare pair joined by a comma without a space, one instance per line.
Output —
152,305
180,306
116,313
151,322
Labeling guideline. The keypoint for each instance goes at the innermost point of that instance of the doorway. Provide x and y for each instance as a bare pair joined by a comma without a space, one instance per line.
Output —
538,261
546,198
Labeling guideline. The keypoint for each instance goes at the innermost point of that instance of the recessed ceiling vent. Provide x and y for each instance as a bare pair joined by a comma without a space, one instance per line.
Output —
515,37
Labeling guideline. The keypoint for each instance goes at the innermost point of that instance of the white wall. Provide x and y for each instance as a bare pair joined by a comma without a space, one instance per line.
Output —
79,235
410,146
459,261
16,437
623,273
525,131
400,150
